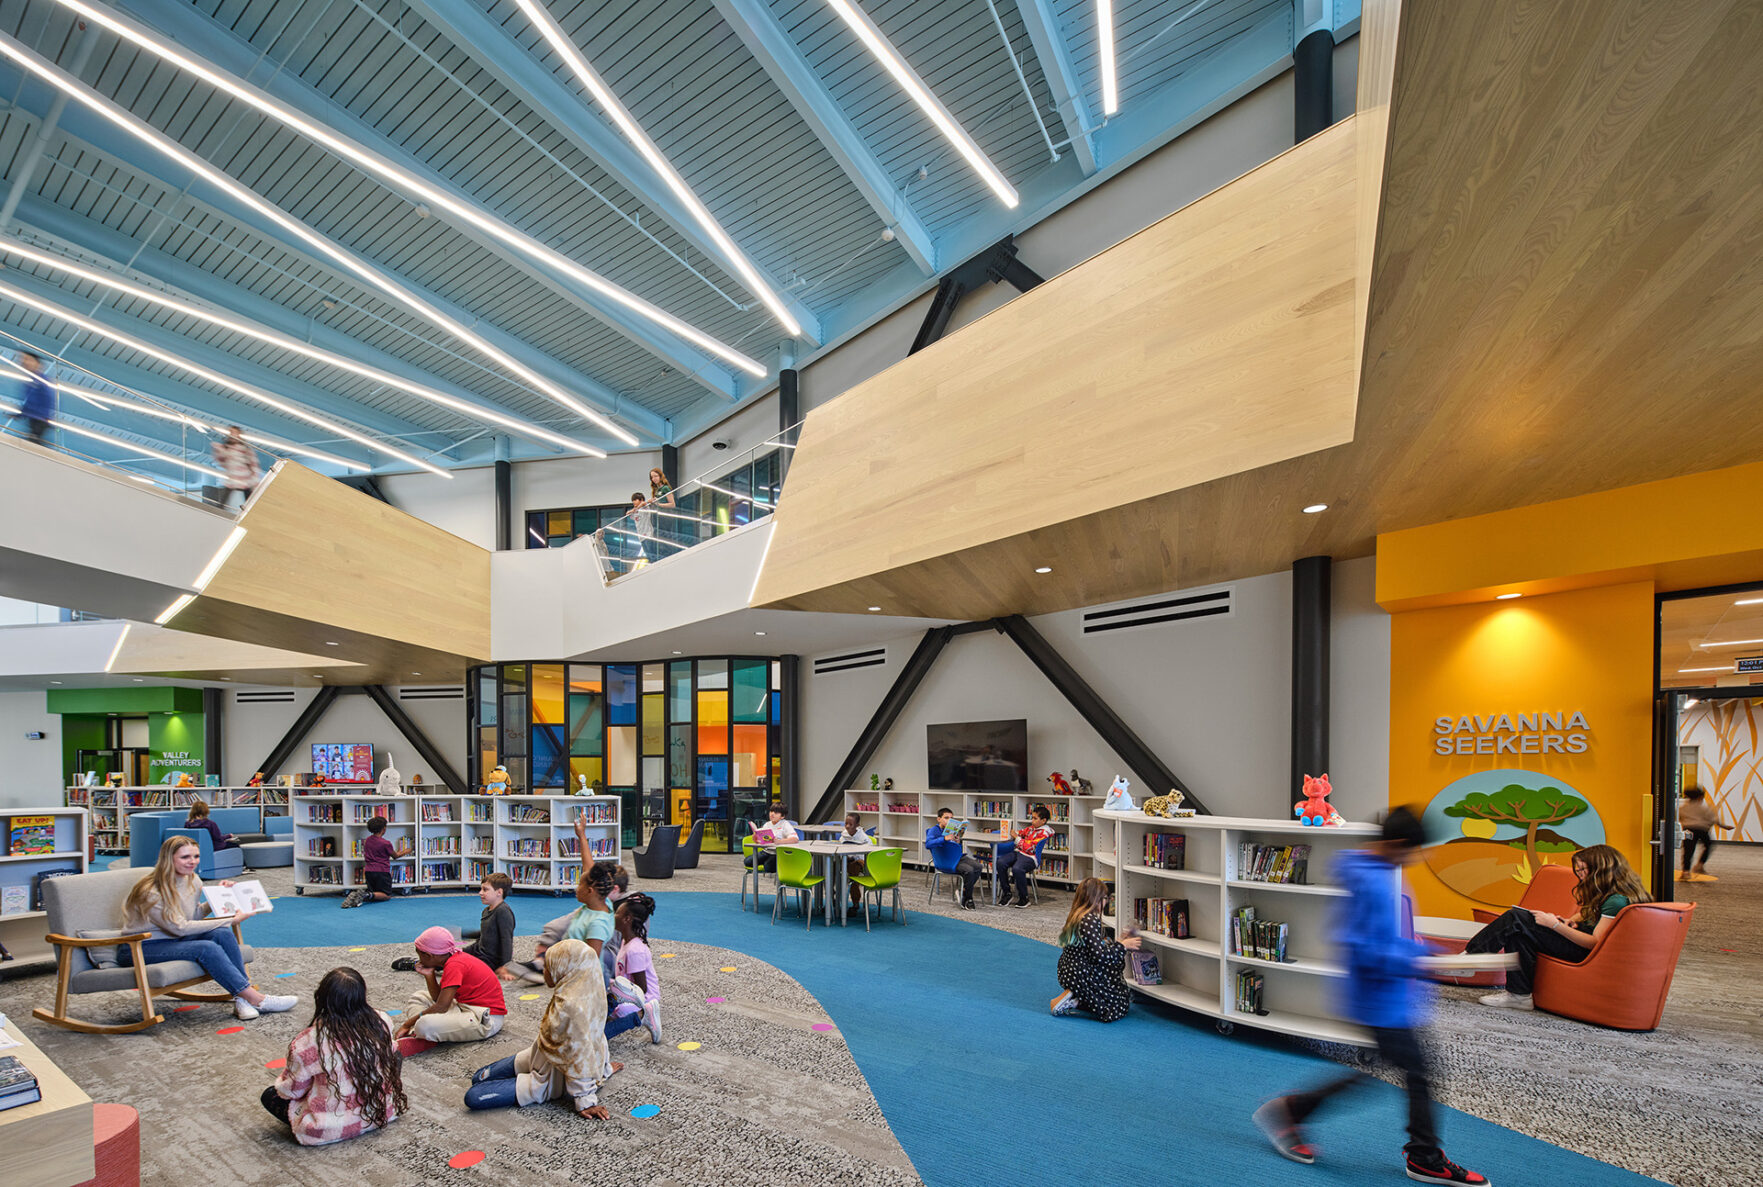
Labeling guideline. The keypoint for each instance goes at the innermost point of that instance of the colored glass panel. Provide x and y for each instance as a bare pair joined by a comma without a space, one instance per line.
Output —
513,678
550,767
679,690
679,755
513,725
487,744
654,723
712,722
712,799
654,676
547,694
516,772
777,707
558,523
621,694
593,768
621,755
750,755
752,679
486,698
631,831
679,810
587,709
584,521
535,529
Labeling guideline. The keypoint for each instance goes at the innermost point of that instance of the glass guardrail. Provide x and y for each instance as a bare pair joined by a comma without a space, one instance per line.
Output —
737,493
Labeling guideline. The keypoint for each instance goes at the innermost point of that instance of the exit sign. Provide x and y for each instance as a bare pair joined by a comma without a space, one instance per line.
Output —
1750,663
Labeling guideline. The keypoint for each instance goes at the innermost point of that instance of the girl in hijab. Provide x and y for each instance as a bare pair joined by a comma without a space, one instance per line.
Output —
569,1057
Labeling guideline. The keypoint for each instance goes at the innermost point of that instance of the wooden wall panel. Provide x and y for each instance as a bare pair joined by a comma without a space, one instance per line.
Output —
1217,340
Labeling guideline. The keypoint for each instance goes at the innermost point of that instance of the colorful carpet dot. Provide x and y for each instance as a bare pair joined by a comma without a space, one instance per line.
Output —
394,1013
184,1009
469,1158
283,976
714,1001
276,1065
358,949
667,955
230,1030
728,968
645,1110
821,1026
690,1046
529,997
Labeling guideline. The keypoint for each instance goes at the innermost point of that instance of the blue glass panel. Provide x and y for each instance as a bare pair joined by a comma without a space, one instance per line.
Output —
713,788
777,707
621,694
550,759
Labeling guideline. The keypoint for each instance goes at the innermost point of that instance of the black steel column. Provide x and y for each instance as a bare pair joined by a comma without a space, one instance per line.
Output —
670,464
504,505
213,721
790,731
789,401
1312,85
1312,579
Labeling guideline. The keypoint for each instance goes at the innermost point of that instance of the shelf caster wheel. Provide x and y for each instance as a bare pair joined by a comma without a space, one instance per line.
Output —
299,890
1225,1028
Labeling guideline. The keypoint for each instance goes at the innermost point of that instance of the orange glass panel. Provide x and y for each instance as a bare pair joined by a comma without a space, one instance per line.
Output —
679,809
750,756
713,721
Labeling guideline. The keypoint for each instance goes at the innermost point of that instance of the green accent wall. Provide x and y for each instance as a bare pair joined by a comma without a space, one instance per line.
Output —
78,733
176,741
130,701
176,726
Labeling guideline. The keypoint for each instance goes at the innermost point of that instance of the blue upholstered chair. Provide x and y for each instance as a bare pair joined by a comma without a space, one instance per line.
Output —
228,863
147,831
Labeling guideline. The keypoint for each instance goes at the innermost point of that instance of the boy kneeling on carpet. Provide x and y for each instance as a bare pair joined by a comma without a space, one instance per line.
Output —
462,999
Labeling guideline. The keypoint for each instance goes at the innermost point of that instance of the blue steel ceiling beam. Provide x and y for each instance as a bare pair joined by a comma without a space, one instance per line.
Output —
1044,33
771,46
224,51
34,99
490,45
125,256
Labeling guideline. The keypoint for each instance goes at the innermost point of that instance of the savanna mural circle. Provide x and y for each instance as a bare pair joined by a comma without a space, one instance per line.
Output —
1493,829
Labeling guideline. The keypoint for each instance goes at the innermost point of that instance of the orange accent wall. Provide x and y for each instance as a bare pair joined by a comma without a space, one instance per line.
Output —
1589,650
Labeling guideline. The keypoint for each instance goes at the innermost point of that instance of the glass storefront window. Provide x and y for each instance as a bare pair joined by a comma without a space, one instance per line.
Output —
621,694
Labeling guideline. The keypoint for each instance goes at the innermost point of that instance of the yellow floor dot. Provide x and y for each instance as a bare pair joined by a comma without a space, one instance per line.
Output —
358,949
728,968
529,997
689,1046
668,955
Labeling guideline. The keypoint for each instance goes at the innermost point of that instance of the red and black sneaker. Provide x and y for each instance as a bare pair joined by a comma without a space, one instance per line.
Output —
1275,1120
1443,1170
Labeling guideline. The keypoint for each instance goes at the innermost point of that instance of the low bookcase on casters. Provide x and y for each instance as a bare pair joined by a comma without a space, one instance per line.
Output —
1201,972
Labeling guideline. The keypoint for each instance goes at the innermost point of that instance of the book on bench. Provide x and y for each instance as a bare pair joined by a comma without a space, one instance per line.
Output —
17,1085
239,898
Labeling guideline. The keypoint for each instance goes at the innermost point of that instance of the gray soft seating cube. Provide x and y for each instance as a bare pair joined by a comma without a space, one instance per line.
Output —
94,903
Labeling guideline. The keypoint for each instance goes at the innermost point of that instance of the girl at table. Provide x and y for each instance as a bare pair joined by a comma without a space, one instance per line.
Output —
342,1077
1023,861
635,990
1091,964
167,905
569,1057
1606,885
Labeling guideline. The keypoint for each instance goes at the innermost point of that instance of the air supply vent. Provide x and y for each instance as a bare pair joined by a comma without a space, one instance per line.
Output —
443,692
1211,604
280,696
828,664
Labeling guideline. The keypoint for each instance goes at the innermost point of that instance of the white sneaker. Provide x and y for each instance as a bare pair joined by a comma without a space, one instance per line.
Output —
277,1003
1064,1005
243,1010
652,1019
1509,1001
625,991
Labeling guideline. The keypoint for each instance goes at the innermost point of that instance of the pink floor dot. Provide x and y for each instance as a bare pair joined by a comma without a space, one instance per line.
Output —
230,1030
275,1065
821,1026
469,1158
714,1001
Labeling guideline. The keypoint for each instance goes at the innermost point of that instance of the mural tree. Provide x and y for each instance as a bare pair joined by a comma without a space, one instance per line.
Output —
1528,807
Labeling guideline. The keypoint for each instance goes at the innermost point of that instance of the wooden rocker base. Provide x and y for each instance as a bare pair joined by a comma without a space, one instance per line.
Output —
96,1028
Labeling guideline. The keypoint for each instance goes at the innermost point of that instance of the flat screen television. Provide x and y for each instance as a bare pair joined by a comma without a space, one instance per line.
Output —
978,756
343,762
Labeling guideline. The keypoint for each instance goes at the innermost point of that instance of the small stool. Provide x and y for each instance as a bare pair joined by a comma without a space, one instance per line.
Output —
267,855
116,1146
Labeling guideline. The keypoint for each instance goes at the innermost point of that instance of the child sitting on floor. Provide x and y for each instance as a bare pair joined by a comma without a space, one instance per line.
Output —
341,1078
569,1056
495,933
1091,964
636,989
461,1001
533,971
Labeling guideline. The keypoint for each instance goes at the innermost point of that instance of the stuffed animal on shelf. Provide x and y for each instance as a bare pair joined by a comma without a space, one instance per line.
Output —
887,785
581,785
1119,796
1167,805
1084,786
496,782
1315,809
1060,786
255,780
114,779
183,780
390,781
875,783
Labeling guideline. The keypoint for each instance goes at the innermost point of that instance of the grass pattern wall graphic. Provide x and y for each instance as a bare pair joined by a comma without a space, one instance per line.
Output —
1730,763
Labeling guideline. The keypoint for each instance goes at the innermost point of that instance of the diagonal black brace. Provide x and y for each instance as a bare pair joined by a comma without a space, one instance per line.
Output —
936,318
1153,776
413,734
302,726
996,264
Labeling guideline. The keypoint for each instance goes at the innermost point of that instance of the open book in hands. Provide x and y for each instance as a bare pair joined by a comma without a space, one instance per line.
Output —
241,898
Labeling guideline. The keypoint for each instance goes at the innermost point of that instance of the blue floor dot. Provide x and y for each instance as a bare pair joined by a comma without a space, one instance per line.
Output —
645,1110
279,976
394,1013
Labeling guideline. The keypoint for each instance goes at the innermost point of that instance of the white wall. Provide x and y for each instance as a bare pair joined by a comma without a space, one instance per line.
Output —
33,769
251,730
1211,697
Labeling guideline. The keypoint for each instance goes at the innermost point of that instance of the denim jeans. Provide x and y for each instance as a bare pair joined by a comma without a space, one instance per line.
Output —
617,1024
217,952
492,1087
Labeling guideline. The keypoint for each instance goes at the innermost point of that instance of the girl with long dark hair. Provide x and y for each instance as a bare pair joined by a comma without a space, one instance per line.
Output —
342,1078
1090,966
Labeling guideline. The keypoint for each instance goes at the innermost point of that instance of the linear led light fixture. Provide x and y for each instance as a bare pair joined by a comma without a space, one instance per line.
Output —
566,49
1105,51
409,182
250,393
117,650
171,611
1728,643
285,342
108,439
1721,668
110,403
147,134
233,540
884,52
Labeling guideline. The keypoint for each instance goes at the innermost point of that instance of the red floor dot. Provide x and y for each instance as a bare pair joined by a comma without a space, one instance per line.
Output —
184,1009
230,1030
276,1065
469,1158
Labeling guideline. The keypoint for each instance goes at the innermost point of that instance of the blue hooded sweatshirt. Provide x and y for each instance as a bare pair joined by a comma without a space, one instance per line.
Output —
1383,985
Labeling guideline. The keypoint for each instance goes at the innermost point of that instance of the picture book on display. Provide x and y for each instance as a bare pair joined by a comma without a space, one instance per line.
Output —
32,834
15,900
239,898
1143,968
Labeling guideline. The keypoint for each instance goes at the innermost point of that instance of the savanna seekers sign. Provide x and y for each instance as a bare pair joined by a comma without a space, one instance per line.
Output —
1512,733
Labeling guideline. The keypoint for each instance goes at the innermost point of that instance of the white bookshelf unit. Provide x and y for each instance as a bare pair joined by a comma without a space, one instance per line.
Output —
23,925
1200,971
454,840
111,807
901,818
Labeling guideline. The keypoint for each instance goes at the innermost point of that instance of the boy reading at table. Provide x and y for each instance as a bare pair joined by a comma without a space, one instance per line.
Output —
782,831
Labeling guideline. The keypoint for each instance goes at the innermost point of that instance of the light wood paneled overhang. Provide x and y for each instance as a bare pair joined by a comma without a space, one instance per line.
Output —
1564,295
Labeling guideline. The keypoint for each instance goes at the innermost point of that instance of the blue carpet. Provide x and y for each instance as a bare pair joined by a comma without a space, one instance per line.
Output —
948,1021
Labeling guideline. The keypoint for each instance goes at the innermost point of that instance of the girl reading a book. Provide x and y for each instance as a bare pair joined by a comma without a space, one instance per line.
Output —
569,1057
342,1077
1090,965
167,905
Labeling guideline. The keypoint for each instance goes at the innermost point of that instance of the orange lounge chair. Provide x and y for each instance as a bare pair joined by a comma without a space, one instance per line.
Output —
1550,890
1623,980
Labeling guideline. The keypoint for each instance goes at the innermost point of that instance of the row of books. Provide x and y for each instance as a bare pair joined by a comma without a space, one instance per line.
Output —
1166,851
1274,863
529,847
483,847
993,809
1264,939
568,875
440,871
1163,916
440,846
325,875
530,875
526,814
1055,867
477,871
17,1085
1249,987
321,847
324,813
597,814
366,812
1142,968
437,813
477,813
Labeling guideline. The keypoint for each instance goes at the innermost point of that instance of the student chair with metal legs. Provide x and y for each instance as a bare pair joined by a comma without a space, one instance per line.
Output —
795,872
1034,882
883,874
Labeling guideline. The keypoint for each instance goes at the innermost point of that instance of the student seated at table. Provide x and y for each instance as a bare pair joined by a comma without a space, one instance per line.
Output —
1023,861
783,832
199,819
342,1077
461,1001
950,858
853,834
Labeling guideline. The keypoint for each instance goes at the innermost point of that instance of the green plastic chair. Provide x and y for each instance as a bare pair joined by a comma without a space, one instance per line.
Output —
883,874
795,871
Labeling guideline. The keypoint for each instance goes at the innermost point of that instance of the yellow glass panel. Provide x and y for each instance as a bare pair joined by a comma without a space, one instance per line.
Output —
593,768
679,809
558,524
547,694
654,723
